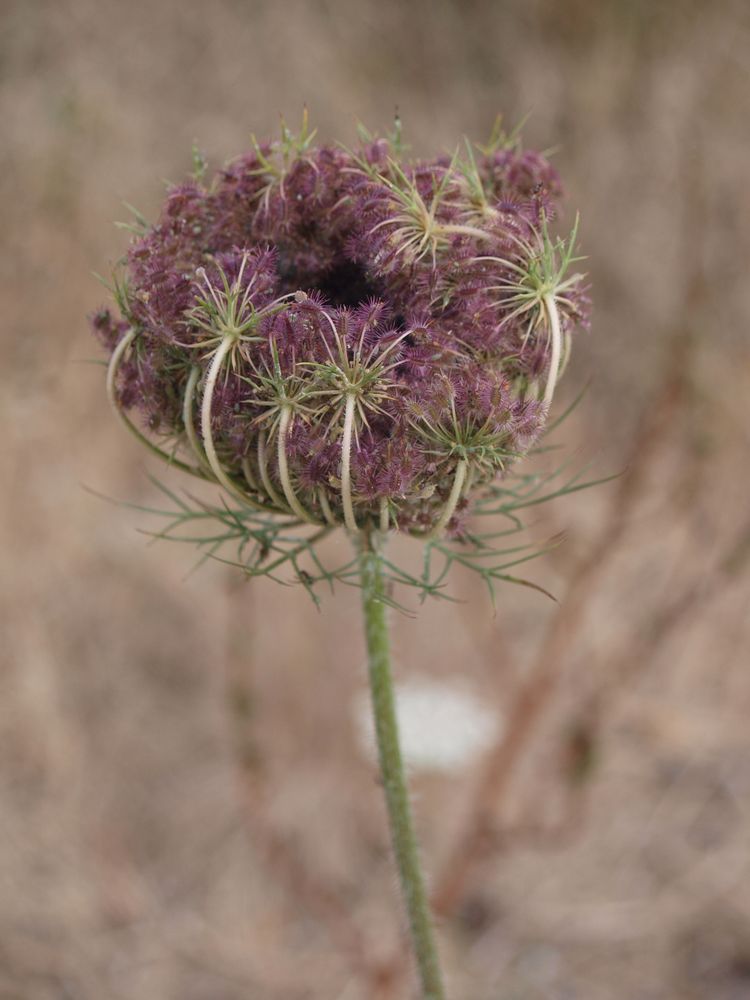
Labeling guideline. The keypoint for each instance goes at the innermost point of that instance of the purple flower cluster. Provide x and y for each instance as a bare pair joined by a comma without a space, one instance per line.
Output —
348,337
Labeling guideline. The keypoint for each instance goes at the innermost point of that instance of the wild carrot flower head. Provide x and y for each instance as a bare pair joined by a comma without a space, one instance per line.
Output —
348,337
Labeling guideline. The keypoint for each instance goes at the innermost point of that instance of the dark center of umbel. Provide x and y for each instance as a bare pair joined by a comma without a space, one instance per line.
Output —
343,284
346,284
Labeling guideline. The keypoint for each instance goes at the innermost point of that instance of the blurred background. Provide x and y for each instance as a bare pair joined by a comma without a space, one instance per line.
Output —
188,808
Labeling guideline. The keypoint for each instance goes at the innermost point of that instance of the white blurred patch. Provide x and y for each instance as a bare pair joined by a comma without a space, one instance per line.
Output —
444,726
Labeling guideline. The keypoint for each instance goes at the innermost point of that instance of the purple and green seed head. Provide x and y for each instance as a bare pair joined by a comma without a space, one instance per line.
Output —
349,337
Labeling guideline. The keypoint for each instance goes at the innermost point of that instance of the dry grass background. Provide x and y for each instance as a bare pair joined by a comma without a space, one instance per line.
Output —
185,810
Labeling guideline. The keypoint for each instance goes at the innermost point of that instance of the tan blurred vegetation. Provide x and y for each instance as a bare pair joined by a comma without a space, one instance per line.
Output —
185,810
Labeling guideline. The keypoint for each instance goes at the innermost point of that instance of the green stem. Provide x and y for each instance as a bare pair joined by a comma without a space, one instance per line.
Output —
452,502
553,320
112,371
268,486
392,771
346,461
286,482
209,445
187,417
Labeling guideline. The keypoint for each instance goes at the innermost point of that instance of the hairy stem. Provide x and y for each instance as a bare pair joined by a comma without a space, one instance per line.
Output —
452,502
247,472
480,234
268,486
187,416
325,506
112,371
384,516
208,397
553,319
286,482
212,457
392,772
346,460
